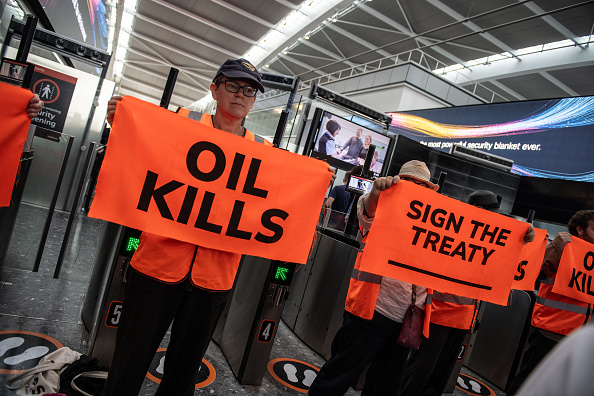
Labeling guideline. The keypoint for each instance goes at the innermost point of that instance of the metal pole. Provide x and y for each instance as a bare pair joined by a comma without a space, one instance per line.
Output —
50,213
168,91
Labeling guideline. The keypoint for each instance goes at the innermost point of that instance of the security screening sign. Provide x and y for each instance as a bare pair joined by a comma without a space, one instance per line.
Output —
172,176
574,276
55,89
425,238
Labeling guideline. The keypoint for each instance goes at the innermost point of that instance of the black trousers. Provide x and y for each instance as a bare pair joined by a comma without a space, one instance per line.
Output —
357,344
539,346
428,369
148,310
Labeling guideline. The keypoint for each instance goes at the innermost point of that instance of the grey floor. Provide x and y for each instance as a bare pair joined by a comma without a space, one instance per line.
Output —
46,311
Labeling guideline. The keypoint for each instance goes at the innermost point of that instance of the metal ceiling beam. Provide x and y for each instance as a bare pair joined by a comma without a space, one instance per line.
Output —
559,84
409,33
303,65
507,90
568,34
204,21
472,26
161,76
158,90
358,40
243,13
187,36
287,4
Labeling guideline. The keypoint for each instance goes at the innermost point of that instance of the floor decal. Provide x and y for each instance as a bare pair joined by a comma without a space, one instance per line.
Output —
292,373
21,350
472,386
206,373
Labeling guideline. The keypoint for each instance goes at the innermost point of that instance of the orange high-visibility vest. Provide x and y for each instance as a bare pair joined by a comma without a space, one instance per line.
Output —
169,260
557,313
452,311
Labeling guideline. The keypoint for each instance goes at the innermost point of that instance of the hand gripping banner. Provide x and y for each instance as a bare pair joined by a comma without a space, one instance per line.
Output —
530,262
13,133
172,176
574,276
425,238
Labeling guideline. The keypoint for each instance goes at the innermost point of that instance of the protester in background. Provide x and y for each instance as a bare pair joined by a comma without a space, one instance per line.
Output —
554,315
178,284
375,308
429,368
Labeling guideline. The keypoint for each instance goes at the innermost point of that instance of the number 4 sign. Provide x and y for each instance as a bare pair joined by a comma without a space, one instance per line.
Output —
266,331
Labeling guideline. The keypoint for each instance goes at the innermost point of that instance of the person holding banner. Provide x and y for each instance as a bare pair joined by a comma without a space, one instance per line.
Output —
554,315
34,107
175,283
452,317
374,312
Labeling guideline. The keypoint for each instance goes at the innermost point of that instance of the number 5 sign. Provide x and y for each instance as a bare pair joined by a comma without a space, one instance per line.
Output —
113,314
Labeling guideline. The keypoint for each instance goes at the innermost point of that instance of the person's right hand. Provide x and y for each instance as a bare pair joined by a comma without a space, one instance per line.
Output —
111,107
561,239
382,183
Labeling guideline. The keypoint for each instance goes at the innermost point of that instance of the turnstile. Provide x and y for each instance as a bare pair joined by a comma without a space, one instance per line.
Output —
103,302
247,330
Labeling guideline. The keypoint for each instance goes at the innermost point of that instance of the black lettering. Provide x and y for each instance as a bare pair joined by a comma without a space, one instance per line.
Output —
418,232
250,180
416,213
186,209
503,234
205,208
149,191
486,255
474,249
575,279
277,229
460,251
590,256
476,224
445,244
192,161
521,271
452,223
438,221
490,234
426,214
235,171
432,239
233,229
589,290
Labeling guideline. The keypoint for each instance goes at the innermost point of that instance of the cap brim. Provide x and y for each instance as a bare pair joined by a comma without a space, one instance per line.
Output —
432,186
245,76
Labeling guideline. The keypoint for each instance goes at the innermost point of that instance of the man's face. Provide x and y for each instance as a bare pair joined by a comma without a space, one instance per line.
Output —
235,105
358,134
587,234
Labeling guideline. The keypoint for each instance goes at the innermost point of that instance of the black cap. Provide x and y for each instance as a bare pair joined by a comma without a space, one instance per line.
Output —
485,199
240,68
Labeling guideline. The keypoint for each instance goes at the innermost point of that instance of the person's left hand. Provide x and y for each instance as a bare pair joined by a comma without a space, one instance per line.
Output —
529,235
34,107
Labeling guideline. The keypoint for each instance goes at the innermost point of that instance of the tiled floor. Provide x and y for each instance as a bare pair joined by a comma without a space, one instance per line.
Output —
39,308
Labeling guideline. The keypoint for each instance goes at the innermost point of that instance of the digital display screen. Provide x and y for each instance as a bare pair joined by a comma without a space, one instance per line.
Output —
359,185
13,72
550,138
344,144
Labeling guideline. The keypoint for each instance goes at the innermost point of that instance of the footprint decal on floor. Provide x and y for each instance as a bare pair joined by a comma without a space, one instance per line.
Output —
21,350
290,370
31,353
473,386
292,373
310,376
10,343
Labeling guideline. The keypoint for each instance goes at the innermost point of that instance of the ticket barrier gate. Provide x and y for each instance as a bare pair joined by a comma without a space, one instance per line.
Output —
103,302
247,329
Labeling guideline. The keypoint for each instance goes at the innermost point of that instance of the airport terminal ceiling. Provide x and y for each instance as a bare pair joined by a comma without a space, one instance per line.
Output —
353,37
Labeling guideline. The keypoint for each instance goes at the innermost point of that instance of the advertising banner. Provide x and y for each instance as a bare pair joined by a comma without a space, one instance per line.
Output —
574,276
425,238
172,176
15,126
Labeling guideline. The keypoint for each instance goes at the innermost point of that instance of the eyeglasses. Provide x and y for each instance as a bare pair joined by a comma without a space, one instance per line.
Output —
410,179
234,87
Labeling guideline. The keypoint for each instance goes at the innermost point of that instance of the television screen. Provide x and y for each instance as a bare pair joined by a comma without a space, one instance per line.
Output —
344,144
545,138
359,185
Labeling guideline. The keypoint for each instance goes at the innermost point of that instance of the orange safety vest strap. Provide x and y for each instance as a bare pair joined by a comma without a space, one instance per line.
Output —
366,276
561,305
451,298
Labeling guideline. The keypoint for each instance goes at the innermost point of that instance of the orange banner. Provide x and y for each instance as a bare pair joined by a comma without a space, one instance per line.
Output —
13,133
423,237
530,261
574,276
175,177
